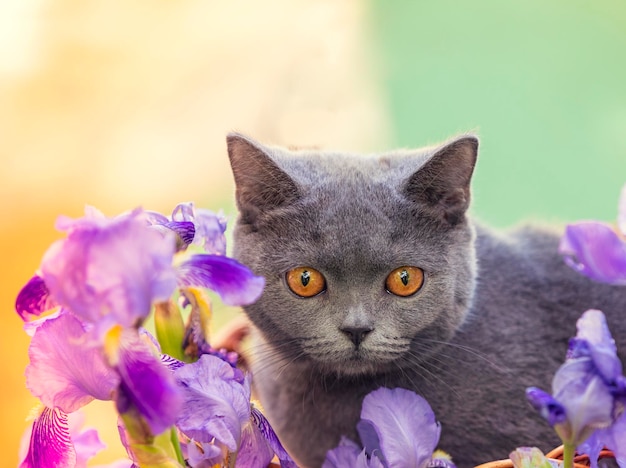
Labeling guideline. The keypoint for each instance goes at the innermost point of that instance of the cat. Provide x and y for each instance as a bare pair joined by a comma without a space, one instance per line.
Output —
376,276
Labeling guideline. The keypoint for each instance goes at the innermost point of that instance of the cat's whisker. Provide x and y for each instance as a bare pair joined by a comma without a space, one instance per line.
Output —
282,368
472,351
441,358
271,355
415,386
419,366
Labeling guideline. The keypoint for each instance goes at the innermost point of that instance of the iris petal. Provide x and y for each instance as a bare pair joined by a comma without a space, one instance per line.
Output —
405,423
592,328
154,217
217,405
263,425
368,433
31,327
33,299
254,451
345,454
210,227
50,442
171,363
616,440
202,455
146,383
185,230
110,270
86,442
234,282
67,370
596,251
593,446
587,400
550,409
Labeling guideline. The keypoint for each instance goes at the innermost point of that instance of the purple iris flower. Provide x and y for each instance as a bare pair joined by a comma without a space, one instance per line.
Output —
397,428
209,227
596,250
193,225
588,390
103,279
259,444
217,409
146,384
613,437
58,440
68,368
109,271
349,453
34,299
216,401
235,283
202,455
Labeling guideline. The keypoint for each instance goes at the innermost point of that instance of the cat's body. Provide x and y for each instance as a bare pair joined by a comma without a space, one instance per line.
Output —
492,317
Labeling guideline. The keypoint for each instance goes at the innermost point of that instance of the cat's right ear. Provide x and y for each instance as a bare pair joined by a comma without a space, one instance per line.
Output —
443,182
260,184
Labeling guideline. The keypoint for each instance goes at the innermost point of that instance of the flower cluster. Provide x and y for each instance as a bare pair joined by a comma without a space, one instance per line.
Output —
180,402
586,407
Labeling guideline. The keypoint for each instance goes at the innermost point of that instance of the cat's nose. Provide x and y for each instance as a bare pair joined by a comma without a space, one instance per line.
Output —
356,334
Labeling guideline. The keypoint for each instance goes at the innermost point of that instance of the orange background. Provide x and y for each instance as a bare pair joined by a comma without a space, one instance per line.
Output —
123,104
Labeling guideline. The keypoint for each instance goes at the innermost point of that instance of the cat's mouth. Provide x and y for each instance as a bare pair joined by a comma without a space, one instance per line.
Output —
370,356
359,361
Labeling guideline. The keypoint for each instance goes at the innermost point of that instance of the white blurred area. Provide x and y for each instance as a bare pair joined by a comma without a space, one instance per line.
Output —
111,102
121,104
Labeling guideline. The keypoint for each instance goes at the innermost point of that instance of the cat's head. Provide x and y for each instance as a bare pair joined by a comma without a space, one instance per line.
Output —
369,260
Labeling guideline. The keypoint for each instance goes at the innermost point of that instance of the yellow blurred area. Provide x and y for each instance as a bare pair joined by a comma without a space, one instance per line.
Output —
123,104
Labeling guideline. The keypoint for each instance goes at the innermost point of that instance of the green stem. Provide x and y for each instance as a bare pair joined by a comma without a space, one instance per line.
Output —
569,451
176,446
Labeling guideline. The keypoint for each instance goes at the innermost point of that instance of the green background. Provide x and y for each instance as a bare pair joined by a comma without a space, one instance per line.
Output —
541,82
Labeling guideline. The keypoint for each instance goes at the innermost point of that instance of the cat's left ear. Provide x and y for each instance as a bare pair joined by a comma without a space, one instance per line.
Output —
443,182
261,185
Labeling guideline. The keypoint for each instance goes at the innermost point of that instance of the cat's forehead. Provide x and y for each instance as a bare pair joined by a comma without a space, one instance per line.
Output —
355,207
323,168
353,195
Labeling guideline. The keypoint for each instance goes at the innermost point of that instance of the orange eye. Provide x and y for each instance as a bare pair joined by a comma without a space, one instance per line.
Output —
306,282
404,281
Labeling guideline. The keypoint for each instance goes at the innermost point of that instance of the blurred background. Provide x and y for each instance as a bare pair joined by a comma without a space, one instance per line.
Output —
123,104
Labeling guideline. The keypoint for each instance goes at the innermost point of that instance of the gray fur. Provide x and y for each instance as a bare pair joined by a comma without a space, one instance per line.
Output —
493,317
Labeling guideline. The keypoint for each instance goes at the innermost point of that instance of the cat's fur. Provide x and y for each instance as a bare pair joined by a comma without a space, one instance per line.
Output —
493,317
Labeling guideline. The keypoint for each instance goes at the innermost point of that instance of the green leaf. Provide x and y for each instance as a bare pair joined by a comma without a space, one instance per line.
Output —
170,329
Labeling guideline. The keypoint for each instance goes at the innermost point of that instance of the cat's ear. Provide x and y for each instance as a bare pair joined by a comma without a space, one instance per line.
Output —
260,184
443,182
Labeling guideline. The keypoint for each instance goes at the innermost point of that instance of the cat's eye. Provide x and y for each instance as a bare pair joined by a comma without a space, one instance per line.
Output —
305,281
405,281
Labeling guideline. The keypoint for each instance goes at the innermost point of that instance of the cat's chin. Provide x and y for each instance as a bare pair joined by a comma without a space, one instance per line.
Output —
356,366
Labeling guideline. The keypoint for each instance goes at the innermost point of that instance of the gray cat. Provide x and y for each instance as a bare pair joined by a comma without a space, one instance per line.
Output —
377,277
